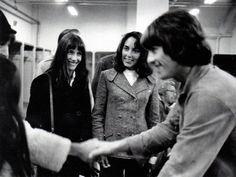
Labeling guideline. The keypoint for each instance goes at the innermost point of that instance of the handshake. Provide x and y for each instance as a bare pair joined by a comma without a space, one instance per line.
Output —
91,150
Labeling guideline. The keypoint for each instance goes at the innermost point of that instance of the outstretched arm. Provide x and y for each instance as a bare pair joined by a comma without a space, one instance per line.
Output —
46,149
109,148
50,151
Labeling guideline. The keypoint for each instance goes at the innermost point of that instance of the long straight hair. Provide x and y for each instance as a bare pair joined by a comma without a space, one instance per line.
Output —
13,143
59,67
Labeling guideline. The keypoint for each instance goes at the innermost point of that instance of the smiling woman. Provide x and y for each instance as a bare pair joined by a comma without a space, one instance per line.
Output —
70,85
126,104
130,54
74,57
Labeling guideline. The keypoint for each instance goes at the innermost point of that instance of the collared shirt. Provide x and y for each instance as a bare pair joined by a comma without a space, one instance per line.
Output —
72,79
201,128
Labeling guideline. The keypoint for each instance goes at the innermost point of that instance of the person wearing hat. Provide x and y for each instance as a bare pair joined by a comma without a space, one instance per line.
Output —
20,144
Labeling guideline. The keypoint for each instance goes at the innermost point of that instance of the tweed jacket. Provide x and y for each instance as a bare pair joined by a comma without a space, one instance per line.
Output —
122,110
202,127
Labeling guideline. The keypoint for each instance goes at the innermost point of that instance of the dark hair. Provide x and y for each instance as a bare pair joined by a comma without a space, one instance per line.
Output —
58,66
181,36
66,31
6,32
13,143
143,69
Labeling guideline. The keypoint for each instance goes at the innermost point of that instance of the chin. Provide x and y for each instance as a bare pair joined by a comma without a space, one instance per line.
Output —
72,68
129,67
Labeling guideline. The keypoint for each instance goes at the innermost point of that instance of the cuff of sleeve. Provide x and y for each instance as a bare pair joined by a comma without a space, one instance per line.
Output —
46,149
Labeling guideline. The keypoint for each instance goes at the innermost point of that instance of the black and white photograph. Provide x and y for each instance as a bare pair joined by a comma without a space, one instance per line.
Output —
117,88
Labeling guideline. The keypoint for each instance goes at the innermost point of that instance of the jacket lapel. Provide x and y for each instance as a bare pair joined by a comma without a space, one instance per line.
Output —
123,84
143,84
120,81
140,85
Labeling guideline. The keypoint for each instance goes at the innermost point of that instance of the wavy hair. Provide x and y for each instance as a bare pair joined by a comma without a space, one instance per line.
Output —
181,36
142,67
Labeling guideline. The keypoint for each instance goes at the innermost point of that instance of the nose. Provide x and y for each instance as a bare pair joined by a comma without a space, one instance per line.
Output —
74,57
129,53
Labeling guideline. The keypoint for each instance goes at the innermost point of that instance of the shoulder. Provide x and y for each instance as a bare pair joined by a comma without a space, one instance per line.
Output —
40,81
41,78
107,58
106,62
151,79
110,74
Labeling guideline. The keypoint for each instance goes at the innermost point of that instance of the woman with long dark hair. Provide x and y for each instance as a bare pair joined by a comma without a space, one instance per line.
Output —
126,104
19,142
71,99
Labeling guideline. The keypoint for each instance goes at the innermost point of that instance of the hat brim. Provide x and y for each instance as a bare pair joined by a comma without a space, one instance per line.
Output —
12,31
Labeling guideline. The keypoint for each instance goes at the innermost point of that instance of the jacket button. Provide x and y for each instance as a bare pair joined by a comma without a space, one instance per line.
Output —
119,116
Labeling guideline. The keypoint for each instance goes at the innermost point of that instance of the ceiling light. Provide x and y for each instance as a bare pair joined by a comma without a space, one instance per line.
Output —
72,10
194,12
209,1
61,0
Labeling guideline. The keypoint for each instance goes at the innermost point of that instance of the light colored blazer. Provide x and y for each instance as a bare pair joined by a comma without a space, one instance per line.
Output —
202,127
122,110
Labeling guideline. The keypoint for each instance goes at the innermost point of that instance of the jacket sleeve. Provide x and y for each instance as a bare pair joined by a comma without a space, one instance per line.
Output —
46,149
206,126
99,111
152,110
156,139
38,110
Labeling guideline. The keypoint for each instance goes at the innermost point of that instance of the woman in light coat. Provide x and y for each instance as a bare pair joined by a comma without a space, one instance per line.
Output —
126,103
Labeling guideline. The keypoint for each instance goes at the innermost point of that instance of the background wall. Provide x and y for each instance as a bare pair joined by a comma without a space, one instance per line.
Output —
19,16
100,26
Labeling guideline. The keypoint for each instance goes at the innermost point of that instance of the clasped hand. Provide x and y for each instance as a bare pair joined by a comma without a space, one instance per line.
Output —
93,150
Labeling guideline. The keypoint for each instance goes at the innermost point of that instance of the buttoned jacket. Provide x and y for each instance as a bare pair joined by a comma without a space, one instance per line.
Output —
123,110
202,127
